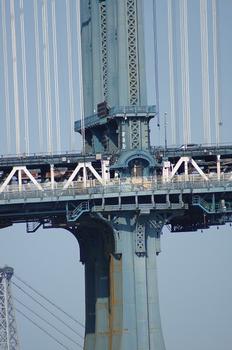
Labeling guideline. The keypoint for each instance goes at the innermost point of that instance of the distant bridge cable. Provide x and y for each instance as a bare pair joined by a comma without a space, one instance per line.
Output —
56,76
42,329
15,77
46,321
6,79
24,71
217,104
47,74
79,48
70,74
185,71
171,71
205,70
45,308
48,300
38,78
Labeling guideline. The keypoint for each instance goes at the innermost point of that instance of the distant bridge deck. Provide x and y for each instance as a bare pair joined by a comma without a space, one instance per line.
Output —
38,159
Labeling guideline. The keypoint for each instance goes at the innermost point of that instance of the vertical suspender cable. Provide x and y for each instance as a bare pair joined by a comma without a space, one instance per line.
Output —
70,75
217,105
80,75
38,79
56,76
15,77
47,74
6,78
156,63
205,70
185,71
171,71
24,70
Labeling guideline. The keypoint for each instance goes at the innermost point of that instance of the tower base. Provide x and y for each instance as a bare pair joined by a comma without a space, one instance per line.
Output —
122,304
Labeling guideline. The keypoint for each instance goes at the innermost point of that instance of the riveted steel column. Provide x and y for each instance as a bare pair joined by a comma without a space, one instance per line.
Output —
116,303
113,59
122,305
97,294
141,316
90,300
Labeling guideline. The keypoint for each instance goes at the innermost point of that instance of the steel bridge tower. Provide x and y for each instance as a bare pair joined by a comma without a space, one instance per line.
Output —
116,196
8,330
122,306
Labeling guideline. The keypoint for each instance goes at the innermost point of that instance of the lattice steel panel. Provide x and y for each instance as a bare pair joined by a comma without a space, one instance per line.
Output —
140,239
103,28
132,51
135,134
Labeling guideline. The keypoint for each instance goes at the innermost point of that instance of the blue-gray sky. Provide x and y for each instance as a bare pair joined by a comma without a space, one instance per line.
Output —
194,268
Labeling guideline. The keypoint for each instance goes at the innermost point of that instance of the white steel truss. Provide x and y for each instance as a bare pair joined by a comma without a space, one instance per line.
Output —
19,170
16,175
186,161
84,175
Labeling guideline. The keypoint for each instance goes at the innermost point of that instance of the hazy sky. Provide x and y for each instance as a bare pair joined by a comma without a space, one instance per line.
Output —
194,268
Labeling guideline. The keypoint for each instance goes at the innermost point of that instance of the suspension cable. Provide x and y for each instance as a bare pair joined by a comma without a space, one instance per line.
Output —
79,47
49,301
15,77
171,71
45,308
56,76
185,70
24,71
42,329
217,106
70,75
6,78
38,78
205,70
47,74
46,321
156,63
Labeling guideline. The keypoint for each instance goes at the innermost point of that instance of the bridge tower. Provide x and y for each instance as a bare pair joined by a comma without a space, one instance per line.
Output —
119,249
8,330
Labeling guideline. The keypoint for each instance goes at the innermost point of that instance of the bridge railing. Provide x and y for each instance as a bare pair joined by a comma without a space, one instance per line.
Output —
123,185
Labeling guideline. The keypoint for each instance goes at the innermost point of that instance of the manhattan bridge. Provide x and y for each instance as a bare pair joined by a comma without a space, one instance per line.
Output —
116,194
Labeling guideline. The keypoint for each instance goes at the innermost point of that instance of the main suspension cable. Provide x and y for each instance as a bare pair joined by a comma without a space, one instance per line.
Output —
24,71
47,75
56,76
38,78
185,71
217,83
70,75
79,47
6,79
15,77
156,63
205,70
171,71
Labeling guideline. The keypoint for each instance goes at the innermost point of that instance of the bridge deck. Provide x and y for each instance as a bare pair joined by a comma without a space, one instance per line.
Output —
197,183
